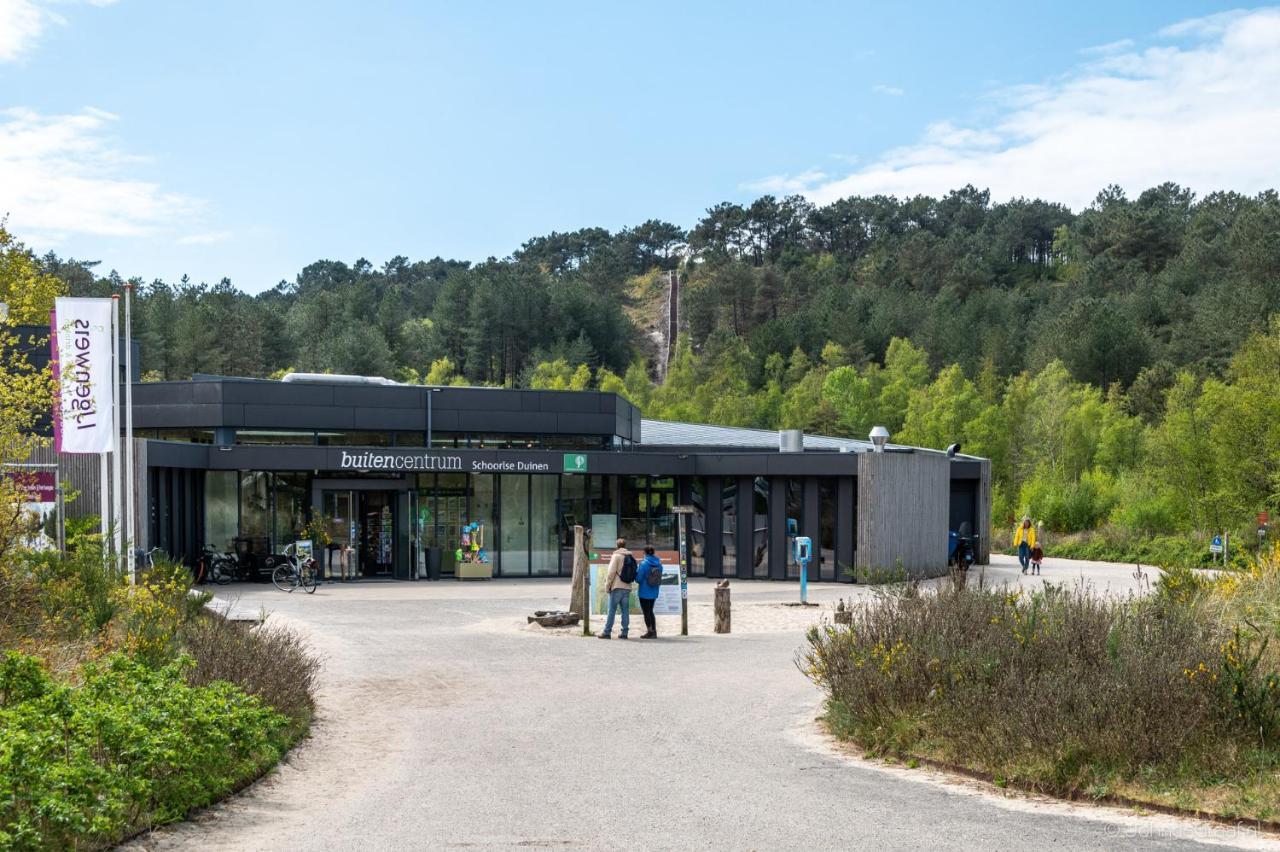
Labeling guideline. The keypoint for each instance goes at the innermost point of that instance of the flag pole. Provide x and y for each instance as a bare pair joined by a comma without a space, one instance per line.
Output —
116,485
130,498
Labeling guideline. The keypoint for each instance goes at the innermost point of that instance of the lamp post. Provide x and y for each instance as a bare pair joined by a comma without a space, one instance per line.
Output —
879,437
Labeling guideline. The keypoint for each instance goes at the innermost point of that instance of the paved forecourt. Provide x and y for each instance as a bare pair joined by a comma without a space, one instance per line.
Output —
446,722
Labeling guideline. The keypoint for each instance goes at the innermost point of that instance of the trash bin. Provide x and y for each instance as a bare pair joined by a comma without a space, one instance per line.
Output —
434,555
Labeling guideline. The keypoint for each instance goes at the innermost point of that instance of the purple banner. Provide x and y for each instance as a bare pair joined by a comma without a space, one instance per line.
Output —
37,486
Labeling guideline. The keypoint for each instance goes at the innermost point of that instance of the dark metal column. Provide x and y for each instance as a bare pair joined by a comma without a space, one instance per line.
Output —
778,528
812,524
714,544
846,506
745,508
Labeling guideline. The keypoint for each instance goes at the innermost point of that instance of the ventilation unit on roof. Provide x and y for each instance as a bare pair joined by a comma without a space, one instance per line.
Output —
335,379
790,441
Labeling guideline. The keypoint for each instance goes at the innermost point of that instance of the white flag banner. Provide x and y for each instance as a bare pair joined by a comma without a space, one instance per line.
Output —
81,340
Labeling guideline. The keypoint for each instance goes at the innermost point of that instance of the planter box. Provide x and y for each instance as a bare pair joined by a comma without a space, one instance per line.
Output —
474,570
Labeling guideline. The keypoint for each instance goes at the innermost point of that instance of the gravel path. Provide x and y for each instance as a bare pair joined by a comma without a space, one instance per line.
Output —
447,723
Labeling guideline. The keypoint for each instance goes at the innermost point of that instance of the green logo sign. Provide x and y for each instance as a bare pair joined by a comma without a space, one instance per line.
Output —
575,463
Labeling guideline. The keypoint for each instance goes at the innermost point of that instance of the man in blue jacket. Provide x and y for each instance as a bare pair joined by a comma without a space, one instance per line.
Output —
650,579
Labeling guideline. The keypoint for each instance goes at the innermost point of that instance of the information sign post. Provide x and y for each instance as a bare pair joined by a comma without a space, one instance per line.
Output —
682,514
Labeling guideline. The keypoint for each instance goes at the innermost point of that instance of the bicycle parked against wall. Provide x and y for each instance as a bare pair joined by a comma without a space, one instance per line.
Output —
215,567
295,571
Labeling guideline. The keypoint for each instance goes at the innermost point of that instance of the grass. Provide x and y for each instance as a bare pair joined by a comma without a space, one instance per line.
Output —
1172,699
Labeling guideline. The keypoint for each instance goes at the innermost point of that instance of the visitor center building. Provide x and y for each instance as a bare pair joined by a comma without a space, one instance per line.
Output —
399,476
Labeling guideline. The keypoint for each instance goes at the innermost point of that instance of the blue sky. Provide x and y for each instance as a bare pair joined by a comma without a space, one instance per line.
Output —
248,139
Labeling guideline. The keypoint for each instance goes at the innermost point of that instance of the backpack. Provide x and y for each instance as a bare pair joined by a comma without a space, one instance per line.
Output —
655,576
629,569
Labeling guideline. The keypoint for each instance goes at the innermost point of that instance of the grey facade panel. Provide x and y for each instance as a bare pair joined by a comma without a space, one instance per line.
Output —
903,508
401,419
181,416
201,392
378,397
503,422
297,417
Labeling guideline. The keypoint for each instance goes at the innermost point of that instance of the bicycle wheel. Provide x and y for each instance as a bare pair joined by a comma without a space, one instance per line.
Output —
310,578
285,578
222,573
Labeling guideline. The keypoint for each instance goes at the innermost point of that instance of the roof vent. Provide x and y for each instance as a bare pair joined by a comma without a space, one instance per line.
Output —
335,379
790,441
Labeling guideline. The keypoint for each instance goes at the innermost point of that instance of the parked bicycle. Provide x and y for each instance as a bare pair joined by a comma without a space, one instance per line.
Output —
145,560
215,567
295,571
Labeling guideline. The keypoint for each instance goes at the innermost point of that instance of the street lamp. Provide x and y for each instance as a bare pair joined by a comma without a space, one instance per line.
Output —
879,437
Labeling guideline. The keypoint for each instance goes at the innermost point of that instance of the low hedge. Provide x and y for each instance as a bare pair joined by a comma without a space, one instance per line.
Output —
1166,699
129,747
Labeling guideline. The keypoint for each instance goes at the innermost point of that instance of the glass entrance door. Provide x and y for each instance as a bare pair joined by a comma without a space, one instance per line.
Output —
339,555
375,542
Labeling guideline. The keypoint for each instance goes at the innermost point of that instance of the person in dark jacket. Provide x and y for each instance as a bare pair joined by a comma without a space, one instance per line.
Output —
647,592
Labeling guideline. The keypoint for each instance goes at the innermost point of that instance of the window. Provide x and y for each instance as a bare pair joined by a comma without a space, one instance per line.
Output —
795,524
354,439
447,440
411,439
698,526
544,525
221,509
292,492
280,436
759,506
514,494
573,510
255,508
186,436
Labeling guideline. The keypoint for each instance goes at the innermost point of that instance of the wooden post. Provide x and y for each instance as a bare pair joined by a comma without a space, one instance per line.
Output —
580,591
722,607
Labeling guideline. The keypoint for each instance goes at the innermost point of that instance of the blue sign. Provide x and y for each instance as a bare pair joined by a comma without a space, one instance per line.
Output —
1215,546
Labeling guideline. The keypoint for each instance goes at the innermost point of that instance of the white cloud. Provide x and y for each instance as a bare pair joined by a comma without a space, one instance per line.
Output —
1199,107
1110,47
23,21
787,184
892,91
61,175
204,239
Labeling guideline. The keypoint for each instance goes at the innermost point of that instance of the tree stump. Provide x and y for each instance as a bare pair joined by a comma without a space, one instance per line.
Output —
844,615
722,607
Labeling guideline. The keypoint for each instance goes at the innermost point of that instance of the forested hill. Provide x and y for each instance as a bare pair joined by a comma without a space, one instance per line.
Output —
828,318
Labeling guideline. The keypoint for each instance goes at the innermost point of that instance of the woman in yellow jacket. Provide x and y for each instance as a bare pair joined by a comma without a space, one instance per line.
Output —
1024,538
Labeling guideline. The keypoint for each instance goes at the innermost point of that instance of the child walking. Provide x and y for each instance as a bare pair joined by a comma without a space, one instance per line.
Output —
1037,558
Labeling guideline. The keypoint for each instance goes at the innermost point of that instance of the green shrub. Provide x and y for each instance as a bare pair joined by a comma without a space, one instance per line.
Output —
269,661
133,746
1060,688
1070,506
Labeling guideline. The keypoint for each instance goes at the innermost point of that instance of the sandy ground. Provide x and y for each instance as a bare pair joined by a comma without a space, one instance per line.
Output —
446,721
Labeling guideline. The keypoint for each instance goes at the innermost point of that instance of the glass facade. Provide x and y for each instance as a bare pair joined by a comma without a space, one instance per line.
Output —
544,525
526,520
729,528
255,507
221,509
698,527
795,524
759,530
292,494
514,517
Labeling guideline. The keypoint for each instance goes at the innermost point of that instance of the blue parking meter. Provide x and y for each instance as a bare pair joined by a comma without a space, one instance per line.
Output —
803,550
